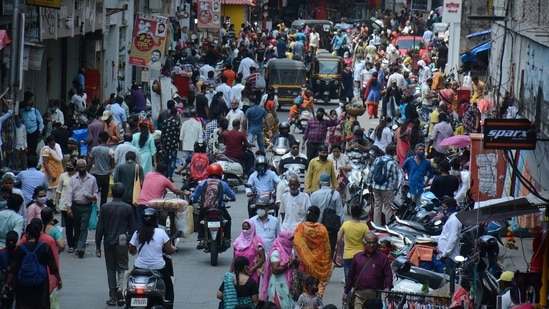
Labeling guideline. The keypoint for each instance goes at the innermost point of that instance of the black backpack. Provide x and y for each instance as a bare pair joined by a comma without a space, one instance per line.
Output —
330,219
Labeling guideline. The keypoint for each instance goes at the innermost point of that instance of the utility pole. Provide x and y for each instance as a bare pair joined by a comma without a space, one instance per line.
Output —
17,36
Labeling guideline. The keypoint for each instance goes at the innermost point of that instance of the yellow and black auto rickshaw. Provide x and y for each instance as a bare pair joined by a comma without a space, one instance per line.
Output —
325,76
286,76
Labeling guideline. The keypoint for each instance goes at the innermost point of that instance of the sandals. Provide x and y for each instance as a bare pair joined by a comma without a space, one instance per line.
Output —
111,302
71,250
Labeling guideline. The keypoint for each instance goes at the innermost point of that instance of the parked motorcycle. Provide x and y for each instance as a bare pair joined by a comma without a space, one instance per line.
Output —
145,288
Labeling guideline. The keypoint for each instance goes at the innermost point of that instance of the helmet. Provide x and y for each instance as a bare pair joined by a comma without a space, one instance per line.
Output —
215,170
488,244
263,201
199,146
285,126
149,217
260,160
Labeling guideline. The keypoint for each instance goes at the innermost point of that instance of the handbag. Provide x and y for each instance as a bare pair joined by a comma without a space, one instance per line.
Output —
92,224
351,302
260,82
136,186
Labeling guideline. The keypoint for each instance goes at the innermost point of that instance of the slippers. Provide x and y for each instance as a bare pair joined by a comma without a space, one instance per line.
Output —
71,250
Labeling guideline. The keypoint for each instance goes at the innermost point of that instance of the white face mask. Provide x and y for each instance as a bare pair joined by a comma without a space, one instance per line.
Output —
261,212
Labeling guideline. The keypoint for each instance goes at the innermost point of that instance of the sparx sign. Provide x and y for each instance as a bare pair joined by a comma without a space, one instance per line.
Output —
509,134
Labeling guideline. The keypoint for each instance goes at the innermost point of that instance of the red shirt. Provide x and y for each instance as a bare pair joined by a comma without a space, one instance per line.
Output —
234,144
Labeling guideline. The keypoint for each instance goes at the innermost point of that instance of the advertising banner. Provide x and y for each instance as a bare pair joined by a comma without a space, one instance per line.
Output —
149,40
509,134
209,14
55,4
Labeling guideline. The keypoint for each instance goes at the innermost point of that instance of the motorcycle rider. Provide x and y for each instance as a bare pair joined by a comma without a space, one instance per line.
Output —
148,242
283,131
210,198
261,181
198,171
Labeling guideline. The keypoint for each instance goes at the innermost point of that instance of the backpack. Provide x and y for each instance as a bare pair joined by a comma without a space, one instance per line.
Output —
199,166
31,272
330,219
380,172
212,193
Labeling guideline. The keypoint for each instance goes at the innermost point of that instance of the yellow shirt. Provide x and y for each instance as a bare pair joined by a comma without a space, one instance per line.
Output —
478,91
353,233
315,169
433,119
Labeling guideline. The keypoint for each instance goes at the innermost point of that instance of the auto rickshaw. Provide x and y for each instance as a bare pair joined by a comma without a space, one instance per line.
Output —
325,76
286,76
325,29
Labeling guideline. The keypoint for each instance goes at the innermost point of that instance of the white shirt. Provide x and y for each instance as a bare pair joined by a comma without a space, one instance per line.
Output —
58,116
268,230
314,39
426,91
506,301
205,69
227,93
294,209
448,242
237,93
235,114
264,100
386,138
191,131
121,151
79,102
245,66
21,137
399,78
150,255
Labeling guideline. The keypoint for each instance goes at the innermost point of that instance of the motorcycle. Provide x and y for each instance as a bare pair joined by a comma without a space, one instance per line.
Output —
303,119
213,224
358,190
233,173
280,148
145,288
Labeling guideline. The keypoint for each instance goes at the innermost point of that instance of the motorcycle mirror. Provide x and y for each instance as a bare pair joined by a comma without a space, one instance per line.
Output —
459,259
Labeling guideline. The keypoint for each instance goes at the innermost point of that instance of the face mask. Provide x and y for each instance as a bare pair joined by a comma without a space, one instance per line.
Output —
385,251
52,109
70,169
294,192
323,158
3,204
420,154
42,200
18,123
247,233
261,169
261,212
82,172
319,117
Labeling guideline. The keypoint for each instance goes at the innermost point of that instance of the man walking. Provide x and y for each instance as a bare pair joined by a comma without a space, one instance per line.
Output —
125,173
101,161
122,149
170,141
80,196
315,132
328,198
31,178
253,124
293,206
191,132
33,121
115,225
384,180
317,167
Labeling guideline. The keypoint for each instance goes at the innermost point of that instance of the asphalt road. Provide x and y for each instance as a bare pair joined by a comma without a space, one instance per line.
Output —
85,280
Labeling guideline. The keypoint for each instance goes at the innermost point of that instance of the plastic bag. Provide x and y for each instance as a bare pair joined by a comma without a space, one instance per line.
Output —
92,224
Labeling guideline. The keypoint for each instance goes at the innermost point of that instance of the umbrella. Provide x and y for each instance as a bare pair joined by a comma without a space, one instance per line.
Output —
456,140
4,39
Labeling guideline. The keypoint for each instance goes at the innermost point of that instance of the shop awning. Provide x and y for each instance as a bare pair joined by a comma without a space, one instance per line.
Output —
502,208
4,39
472,54
481,33
238,2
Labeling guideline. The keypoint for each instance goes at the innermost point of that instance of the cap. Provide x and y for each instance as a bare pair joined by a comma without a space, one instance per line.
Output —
106,115
325,177
507,276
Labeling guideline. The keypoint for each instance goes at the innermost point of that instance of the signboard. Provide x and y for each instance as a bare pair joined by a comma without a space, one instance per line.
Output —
419,5
209,14
54,4
149,40
509,134
7,7
451,11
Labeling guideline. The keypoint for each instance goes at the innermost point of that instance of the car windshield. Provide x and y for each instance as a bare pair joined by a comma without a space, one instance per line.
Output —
410,43
327,67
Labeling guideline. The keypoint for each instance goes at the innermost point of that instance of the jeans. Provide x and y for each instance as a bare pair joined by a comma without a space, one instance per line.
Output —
170,155
138,214
116,261
346,267
69,229
259,135
103,186
81,216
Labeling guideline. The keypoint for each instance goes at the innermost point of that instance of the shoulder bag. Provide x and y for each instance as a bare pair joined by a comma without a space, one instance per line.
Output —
136,186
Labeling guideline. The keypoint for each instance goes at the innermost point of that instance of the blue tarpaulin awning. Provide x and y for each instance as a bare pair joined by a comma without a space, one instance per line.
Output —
472,55
477,34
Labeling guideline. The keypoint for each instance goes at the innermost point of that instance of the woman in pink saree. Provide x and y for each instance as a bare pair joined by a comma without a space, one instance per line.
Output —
249,245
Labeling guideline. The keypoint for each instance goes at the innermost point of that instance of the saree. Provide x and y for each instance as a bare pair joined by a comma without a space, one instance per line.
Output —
312,244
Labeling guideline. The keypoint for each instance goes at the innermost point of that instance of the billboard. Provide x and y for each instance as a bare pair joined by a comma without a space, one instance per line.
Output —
509,134
209,14
149,40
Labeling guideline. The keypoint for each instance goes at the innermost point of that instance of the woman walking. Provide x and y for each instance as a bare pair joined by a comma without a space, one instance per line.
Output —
250,246
238,288
144,142
372,95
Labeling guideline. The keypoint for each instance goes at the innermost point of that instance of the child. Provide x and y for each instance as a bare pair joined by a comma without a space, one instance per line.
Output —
310,299
386,247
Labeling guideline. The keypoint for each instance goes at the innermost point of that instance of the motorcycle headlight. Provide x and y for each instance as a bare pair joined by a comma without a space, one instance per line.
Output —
318,82
280,151
336,82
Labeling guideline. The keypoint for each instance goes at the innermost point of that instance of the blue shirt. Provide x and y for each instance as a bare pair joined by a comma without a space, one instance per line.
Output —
255,115
197,194
119,115
30,179
264,183
32,120
416,173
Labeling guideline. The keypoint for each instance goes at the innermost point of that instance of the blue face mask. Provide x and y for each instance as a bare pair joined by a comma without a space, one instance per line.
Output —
3,204
421,154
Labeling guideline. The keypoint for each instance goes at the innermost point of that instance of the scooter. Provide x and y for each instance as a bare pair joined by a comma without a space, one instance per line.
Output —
233,173
280,147
214,222
145,288
303,119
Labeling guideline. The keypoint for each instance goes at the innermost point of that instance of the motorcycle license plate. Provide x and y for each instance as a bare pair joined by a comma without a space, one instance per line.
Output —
214,224
138,302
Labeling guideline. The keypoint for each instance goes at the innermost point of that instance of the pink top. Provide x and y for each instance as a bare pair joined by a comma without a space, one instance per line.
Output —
33,211
154,186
